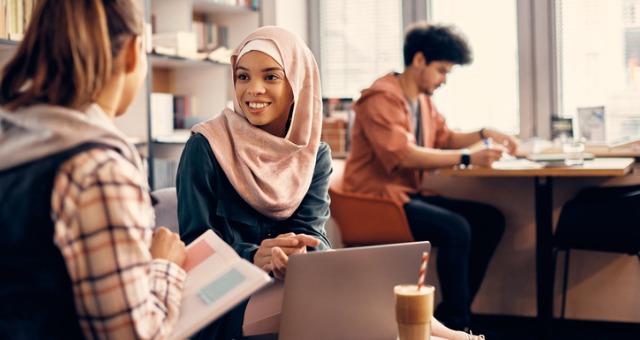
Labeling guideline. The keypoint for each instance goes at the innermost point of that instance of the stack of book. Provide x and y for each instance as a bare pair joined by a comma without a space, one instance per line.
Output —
14,18
171,112
334,133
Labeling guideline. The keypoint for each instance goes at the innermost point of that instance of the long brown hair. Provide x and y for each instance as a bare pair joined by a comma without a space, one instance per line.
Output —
68,51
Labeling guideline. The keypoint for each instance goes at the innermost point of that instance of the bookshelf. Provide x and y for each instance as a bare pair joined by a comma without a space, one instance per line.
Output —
14,17
7,48
208,83
204,83
8,44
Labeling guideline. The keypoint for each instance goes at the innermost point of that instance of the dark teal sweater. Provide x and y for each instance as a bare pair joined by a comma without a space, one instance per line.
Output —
207,200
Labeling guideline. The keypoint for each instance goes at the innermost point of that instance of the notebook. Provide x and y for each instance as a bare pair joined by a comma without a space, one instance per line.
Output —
556,157
347,293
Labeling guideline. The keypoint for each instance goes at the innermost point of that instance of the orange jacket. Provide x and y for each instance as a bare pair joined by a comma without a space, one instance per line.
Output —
382,136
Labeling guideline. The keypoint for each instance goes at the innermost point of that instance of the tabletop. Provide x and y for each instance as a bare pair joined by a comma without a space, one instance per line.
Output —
598,167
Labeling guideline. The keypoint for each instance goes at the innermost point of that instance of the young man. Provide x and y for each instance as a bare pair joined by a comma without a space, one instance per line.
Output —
398,133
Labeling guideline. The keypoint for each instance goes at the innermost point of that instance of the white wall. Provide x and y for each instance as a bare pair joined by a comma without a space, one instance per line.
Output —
289,14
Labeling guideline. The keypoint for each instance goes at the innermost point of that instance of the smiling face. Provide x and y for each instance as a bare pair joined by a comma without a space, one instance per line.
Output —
263,92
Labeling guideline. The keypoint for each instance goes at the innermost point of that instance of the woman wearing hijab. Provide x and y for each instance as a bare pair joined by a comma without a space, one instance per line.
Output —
258,175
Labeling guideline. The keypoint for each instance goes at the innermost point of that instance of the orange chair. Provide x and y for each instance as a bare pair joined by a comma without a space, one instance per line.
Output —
366,220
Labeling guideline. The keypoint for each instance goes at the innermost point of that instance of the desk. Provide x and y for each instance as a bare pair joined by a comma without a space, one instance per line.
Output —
543,181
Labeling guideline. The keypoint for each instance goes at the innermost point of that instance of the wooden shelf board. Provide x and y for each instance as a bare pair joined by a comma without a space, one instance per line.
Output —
169,61
203,6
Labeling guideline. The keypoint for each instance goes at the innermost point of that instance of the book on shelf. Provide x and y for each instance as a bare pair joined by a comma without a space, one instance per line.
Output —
209,35
3,15
217,280
181,44
220,55
14,18
180,136
183,109
164,172
162,113
136,140
15,36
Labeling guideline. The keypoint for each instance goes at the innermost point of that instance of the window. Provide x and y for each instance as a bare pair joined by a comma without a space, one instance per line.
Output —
533,60
360,41
486,92
598,48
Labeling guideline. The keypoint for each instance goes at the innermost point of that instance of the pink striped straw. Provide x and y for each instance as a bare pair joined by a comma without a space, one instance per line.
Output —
423,269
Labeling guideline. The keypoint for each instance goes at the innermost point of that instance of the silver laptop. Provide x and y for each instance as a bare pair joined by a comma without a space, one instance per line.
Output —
347,293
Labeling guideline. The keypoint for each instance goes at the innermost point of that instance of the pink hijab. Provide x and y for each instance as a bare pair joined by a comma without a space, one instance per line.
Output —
271,173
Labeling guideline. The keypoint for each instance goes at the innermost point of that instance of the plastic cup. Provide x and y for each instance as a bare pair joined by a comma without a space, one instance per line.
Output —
414,310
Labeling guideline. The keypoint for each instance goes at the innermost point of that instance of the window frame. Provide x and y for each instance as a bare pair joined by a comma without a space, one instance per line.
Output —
536,58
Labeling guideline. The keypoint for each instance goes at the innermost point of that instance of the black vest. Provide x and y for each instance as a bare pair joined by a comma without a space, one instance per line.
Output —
36,298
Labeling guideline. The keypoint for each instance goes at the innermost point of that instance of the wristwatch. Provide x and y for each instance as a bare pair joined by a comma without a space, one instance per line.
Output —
465,158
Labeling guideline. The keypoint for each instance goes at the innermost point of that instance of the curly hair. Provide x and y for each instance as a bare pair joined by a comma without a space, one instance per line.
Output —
436,43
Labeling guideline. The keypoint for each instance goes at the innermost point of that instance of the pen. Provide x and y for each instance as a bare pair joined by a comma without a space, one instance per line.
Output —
486,142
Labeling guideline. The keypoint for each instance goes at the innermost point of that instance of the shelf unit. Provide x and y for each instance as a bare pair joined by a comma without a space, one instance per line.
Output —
8,44
7,48
207,82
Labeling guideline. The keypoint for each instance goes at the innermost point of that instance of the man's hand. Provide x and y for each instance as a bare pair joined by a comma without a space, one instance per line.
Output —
510,143
167,245
487,155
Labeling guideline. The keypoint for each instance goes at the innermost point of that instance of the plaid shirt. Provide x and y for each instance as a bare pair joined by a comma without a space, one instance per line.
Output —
103,227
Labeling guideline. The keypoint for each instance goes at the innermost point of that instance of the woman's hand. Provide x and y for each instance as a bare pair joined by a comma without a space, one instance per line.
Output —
167,245
280,256
273,254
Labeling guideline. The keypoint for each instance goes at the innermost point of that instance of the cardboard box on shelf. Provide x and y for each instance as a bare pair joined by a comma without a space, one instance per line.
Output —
334,133
336,139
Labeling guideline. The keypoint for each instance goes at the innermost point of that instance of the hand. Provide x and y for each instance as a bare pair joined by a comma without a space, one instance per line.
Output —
509,142
273,254
280,256
167,245
486,156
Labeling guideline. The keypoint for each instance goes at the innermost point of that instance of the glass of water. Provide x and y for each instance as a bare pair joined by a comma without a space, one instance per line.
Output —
573,152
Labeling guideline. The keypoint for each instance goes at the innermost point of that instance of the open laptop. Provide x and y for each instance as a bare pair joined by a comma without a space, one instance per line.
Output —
347,293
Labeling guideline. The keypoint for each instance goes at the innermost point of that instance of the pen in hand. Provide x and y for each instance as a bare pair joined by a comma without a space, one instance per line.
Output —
488,142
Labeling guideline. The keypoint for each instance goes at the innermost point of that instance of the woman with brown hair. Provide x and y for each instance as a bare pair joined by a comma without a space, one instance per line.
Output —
78,254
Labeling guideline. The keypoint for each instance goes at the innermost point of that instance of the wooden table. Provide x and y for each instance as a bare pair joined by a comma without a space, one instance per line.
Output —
598,167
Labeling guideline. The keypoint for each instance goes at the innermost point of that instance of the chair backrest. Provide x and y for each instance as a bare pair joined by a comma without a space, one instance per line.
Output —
166,208
366,220
601,219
